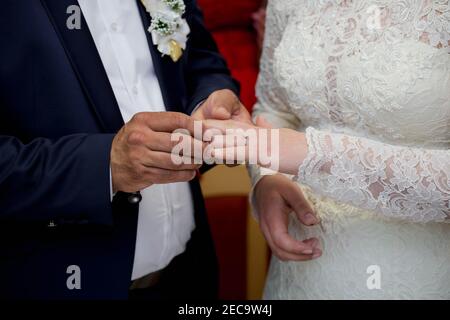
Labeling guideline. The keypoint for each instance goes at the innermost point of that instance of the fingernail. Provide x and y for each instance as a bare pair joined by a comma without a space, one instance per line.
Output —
307,251
310,218
317,254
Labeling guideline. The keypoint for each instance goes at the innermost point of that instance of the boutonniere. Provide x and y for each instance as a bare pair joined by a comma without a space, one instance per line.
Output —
169,29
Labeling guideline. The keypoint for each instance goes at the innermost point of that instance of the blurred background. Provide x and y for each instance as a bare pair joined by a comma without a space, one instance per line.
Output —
238,28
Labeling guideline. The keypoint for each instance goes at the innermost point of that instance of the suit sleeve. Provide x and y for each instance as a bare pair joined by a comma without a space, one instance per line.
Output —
207,71
67,178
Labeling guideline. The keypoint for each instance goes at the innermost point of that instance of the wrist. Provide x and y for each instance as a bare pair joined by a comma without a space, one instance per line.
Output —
258,192
265,180
294,149
289,153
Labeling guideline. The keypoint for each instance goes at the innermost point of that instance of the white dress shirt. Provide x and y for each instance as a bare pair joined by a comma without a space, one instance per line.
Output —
166,214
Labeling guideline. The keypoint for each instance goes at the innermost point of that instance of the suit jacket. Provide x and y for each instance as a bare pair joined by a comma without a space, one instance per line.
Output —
58,117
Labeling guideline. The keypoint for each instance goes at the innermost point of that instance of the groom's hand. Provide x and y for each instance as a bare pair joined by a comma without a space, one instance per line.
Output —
222,105
141,153
275,198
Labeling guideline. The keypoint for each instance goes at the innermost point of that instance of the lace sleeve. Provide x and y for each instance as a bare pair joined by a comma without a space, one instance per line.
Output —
270,95
397,182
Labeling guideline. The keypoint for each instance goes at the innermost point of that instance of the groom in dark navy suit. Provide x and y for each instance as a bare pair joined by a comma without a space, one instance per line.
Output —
65,150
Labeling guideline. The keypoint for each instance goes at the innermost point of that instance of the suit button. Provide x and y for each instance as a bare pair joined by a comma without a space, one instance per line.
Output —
135,198
51,224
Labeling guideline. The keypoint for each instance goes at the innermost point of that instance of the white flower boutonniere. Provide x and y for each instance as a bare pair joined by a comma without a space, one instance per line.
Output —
169,29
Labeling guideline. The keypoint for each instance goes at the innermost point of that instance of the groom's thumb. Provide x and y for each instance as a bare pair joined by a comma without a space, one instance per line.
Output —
221,113
263,123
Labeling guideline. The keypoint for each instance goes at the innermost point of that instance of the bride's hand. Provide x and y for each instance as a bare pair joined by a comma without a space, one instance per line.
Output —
281,150
275,197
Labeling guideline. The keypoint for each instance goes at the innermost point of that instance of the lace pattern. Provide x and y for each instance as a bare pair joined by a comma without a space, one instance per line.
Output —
405,183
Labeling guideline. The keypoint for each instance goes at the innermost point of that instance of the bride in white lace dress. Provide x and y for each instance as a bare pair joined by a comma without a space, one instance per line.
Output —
367,84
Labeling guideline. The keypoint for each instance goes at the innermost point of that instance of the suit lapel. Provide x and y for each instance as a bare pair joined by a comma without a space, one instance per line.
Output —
86,62
169,73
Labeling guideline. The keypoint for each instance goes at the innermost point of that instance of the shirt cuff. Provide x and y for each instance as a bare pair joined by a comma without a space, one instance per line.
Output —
111,193
198,106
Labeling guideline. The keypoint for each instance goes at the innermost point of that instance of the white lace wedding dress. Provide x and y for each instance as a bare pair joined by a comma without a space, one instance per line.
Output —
369,82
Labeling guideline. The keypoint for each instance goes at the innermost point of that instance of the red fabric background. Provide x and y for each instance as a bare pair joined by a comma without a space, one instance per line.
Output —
228,13
231,25
228,221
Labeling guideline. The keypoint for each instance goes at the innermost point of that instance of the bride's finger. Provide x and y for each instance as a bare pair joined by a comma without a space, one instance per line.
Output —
317,252
237,154
300,206
260,121
317,247
227,141
313,242
221,125
280,253
277,223
224,125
